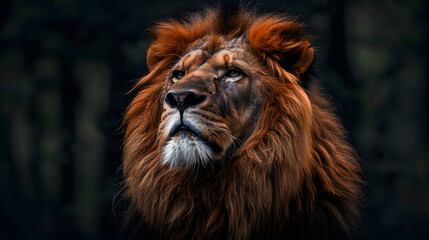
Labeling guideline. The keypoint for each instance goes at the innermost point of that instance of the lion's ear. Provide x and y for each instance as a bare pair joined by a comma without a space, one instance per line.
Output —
305,56
154,55
282,41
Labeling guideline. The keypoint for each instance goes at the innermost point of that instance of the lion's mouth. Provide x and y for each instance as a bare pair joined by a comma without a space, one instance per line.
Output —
182,129
187,129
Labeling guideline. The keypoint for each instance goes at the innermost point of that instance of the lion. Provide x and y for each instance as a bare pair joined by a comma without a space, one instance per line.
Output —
229,136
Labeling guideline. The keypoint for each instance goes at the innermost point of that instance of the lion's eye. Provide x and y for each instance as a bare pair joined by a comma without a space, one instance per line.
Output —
233,75
177,75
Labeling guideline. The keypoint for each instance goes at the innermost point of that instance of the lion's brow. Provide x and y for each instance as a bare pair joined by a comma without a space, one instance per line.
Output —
227,57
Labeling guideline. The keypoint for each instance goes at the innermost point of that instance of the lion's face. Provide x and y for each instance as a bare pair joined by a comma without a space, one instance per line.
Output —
211,103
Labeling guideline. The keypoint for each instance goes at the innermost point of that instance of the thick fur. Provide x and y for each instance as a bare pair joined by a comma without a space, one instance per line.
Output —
293,175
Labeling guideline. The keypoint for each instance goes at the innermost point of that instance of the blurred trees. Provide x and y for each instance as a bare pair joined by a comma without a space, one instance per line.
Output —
65,68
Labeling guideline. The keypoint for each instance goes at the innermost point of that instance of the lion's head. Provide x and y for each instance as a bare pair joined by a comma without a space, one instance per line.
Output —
223,141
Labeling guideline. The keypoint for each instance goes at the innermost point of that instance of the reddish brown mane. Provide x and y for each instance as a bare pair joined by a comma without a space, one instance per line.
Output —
296,175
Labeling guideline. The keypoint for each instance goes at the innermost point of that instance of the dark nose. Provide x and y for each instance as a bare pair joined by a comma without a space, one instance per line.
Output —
183,100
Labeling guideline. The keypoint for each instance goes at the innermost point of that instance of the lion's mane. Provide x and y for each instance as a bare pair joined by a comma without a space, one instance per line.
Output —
295,177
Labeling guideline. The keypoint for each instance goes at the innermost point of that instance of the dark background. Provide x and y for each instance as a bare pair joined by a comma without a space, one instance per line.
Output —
65,68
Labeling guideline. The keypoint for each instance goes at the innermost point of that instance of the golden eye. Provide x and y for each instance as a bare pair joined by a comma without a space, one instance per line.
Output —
177,75
233,75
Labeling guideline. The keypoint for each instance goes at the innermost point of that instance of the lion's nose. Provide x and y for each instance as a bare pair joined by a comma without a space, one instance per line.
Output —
183,100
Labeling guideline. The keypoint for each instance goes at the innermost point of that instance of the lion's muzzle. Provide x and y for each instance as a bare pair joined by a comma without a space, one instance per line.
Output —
186,144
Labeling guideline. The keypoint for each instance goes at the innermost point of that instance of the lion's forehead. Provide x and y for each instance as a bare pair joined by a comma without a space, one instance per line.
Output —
224,54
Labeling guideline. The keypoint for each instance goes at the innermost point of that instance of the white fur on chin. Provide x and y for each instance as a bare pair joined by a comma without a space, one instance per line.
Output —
186,151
